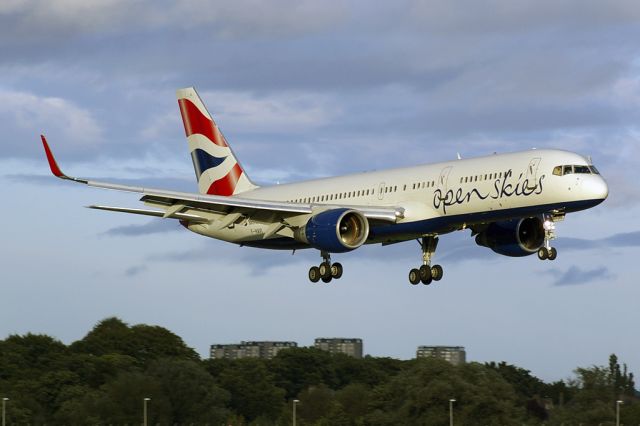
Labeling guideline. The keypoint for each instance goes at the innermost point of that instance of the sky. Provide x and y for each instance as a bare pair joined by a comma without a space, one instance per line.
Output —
305,89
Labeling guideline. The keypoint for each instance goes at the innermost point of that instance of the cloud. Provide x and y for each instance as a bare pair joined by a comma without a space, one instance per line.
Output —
68,18
578,276
267,113
25,115
258,261
156,226
625,239
135,270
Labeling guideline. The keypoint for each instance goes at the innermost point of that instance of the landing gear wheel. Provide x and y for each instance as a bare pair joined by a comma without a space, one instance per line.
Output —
427,281
414,276
325,269
543,253
314,274
425,272
336,271
436,272
327,279
553,253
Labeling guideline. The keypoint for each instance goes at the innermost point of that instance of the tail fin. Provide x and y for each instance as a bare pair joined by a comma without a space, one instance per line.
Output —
217,168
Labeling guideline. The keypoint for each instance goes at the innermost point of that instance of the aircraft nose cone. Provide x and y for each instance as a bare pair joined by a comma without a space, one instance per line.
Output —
598,188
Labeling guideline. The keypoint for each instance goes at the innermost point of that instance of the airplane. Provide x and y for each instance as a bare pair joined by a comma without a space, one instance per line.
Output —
510,202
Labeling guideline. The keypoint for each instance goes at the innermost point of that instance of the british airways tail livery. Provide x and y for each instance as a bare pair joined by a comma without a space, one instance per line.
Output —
510,202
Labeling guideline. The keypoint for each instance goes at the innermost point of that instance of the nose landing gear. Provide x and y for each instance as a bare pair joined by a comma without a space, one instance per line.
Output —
326,271
546,252
426,273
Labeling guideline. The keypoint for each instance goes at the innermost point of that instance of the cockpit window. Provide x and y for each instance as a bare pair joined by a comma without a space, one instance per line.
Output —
580,169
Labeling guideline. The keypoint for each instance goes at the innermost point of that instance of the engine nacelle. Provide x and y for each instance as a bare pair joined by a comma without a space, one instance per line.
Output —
515,238
335,231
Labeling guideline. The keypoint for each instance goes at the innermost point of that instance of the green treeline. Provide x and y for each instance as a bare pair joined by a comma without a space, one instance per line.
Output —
103,378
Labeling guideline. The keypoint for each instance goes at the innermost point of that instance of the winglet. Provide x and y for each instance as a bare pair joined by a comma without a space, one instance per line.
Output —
52,161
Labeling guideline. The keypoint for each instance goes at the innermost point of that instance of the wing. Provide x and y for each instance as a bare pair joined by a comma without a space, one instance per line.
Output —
193,207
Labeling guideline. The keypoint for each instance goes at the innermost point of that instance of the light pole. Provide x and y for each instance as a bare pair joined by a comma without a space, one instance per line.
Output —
144,411
4,406
451,401
295,402
618,402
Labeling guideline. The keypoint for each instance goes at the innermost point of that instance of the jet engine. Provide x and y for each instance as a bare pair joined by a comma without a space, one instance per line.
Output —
515,238
335,231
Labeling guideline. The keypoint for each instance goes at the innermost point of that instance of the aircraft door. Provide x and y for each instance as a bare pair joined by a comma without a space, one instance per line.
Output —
443,180
532,173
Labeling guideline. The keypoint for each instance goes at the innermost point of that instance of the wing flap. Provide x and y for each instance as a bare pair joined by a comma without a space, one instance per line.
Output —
156,213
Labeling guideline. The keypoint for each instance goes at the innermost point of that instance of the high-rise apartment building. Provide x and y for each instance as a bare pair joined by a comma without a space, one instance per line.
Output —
352,347
456,355
265,350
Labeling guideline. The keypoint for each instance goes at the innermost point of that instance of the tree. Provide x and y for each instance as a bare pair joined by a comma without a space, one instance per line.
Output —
141,342
192,394
180,391
297,369
420,395
528,388
252,389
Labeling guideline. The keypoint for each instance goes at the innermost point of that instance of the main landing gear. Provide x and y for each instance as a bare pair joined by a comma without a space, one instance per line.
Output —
546,252
327,271
426,273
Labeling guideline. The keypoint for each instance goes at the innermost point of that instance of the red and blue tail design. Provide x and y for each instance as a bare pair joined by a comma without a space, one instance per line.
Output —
217,168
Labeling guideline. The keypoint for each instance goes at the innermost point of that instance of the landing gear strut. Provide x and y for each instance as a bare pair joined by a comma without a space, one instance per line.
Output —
326,271
546,252
426,273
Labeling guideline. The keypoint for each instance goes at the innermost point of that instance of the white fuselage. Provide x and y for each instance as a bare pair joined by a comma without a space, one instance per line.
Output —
438,197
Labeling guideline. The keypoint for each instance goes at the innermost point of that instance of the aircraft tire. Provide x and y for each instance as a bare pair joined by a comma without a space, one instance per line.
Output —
437,272
336,271
425,273
314,274
553,253
327,280
325,269
414,276
543,253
